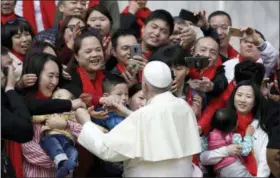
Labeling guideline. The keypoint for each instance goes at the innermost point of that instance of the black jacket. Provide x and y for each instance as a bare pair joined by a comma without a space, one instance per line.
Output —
220,84
16,122
129,21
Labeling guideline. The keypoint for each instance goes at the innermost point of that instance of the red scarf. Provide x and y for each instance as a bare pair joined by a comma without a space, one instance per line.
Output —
243,123
19,56
93,88
141,15
29,14
6,18
93,3
13,150
232,53
205,120
208,72
120,68
48,9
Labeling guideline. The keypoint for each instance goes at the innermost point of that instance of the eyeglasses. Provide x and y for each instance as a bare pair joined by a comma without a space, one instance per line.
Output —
71,27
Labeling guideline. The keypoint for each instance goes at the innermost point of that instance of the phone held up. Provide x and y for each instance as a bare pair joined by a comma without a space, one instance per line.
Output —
135,50
199,62
235,32
189,16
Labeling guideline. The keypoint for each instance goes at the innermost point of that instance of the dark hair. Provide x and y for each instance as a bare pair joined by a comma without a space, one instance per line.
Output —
90,32
110,81
13,27
100,8
258,105
164,15
60,42
172,55
121,33
218,13
179,20
249,70
37,47
134,89
213,37
224,120
262,36
4,51
36,65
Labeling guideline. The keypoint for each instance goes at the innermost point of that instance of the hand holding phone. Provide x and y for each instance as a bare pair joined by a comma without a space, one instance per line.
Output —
135,50
199,62
189,16
236,32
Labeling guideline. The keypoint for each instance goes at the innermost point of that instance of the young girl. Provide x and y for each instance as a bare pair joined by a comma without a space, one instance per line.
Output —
224,125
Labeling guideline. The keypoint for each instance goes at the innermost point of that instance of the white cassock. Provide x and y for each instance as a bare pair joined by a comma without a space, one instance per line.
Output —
157,140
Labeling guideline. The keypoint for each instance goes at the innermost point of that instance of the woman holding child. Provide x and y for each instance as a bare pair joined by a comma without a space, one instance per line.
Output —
36,162
246,102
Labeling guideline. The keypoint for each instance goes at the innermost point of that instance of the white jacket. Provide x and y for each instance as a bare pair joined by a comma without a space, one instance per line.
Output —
259,149
269,57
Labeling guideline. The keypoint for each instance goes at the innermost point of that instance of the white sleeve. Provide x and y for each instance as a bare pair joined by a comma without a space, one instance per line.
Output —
93,140
214,156
269,56
261,140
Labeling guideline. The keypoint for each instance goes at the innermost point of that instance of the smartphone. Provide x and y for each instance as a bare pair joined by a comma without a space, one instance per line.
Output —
197,62
135,50
235,32
189,16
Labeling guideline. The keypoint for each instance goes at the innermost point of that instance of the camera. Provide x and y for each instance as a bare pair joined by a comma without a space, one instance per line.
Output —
198,62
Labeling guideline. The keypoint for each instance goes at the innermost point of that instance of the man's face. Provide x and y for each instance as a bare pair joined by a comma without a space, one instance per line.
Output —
77,7
7,6
248,49
5,62
176,35
221,24
122,51
155,33
209,48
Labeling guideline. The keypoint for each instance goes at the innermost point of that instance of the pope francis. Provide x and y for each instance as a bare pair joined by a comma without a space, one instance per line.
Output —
158,140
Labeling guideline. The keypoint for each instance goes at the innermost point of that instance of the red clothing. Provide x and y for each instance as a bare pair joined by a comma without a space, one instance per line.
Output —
46,10
93,3
19,56
5,18
231,52
94,88
141,15
208,72
215,104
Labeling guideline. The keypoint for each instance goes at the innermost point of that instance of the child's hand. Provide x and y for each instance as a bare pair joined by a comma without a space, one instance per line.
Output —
234,150
250,130
97,114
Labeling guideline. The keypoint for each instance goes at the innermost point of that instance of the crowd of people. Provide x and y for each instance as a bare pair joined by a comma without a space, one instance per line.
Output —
148,99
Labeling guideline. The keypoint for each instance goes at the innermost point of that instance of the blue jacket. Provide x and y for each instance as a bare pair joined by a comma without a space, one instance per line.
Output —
110,122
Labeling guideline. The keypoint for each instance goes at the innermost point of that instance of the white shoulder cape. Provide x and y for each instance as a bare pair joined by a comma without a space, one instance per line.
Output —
164,129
